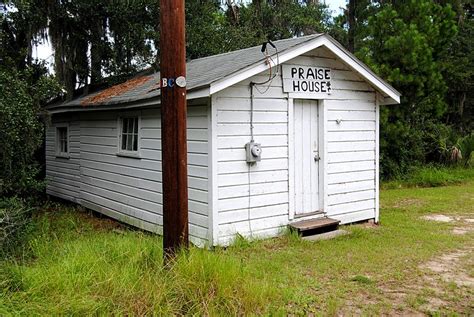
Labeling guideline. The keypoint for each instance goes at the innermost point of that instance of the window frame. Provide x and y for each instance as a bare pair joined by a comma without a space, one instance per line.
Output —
120,151
59,152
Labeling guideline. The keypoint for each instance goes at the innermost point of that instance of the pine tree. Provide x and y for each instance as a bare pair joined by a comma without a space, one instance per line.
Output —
406,44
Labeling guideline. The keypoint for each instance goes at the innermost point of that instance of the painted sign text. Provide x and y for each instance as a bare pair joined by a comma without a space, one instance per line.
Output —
306,79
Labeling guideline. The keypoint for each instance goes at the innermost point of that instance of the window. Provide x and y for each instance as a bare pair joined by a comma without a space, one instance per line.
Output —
129,134
62,145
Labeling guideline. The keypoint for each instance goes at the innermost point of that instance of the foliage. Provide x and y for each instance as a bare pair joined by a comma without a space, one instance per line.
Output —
431,176
15,218
20,135
85,265
458,73
406,45
118,34
122,269
353,36
277,20
206,32
25,86
423,48
466,146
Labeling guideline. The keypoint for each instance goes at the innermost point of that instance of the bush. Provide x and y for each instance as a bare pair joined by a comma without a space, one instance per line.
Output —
466,146
21,130
20,134
15,219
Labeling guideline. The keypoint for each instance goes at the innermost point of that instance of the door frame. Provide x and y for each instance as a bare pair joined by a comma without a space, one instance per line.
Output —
322,131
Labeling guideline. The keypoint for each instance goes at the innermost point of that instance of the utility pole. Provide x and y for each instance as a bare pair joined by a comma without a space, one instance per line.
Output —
173,127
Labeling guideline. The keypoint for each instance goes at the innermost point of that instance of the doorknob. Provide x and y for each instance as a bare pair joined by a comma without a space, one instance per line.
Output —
316,158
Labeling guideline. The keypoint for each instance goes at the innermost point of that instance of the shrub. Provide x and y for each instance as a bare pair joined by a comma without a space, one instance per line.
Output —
21,130
20,134
466,147
15,218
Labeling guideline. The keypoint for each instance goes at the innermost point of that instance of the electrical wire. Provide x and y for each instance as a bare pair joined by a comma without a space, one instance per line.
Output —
269,60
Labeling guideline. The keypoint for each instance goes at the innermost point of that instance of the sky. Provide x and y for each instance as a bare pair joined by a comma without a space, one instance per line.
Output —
335,5
43,51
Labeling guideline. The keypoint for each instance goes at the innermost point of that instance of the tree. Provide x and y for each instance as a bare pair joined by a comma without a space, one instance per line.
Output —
283,19
406,44
21,130
458,71
24,87
351,28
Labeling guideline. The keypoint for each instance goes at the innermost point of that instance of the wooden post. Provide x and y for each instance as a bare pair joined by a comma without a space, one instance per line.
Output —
173,127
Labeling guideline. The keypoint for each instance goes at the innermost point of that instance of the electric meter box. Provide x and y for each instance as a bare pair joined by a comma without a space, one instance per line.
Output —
253,151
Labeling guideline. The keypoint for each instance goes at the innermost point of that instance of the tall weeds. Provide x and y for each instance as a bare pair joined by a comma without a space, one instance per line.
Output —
79,270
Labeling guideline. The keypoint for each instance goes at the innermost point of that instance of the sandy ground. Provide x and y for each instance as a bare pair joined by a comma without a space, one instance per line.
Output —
445,283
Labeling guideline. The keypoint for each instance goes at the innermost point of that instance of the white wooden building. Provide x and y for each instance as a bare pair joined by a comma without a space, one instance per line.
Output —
317,121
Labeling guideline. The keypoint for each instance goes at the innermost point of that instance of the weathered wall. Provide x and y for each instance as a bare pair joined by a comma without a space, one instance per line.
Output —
256,200
251,199
350,144
63,174
230,196
129,189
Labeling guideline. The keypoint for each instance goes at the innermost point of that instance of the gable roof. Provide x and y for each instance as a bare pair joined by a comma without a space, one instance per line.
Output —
208,75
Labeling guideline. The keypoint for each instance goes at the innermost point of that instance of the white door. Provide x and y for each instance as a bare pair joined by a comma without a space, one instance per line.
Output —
306,156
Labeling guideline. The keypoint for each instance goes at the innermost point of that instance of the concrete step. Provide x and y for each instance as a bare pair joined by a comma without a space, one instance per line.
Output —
326,235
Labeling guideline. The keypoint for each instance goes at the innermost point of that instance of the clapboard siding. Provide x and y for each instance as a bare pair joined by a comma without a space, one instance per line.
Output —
350,142
63,174
226,195
131,186
351,136
254,200
125,188
251,198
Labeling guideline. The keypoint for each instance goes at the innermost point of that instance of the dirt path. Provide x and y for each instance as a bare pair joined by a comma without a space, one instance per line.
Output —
445,284
453,271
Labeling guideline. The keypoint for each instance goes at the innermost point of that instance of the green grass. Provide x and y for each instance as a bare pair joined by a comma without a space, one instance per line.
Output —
79,264
432,176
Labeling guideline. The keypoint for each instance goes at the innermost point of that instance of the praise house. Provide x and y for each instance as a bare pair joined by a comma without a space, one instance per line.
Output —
306,79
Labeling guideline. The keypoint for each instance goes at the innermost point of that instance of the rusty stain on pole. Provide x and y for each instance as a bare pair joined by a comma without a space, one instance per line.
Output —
173,123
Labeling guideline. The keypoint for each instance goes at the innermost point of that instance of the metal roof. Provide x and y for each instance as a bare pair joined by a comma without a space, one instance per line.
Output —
208,72
201,73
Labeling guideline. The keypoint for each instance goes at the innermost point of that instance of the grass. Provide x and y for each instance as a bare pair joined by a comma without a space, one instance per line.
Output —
432,176
79,264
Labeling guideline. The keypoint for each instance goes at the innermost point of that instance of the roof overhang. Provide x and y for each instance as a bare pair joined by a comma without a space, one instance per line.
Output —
390,94
386,94
195,94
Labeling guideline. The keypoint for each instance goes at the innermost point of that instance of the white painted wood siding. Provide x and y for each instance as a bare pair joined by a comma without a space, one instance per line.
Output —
63,174
351,144
129,189
254,201
351,160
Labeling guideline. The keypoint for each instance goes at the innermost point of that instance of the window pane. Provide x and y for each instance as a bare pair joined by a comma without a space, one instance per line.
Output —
124,125
135,142
124,142
130,125
62,145
129,143
129,135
